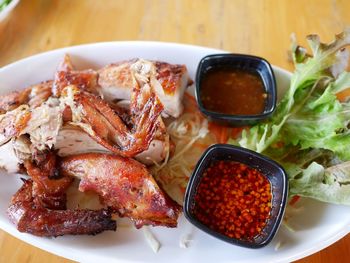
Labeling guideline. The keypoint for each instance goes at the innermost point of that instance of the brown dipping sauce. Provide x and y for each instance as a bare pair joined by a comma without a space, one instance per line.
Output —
233,91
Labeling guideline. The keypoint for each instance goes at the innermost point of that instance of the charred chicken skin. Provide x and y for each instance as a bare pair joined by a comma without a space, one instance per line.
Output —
94,115
31,218
66,76
49,187
33,96
125,185
39,206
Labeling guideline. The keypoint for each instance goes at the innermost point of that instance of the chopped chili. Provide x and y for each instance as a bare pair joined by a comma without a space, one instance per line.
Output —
233,199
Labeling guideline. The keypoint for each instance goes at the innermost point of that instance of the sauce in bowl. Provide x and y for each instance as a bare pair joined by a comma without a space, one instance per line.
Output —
233,91
233,199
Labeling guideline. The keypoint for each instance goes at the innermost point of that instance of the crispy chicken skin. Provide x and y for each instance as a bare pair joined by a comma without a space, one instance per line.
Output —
125,185
66,75
33,96
95,116
12,100
37,220
104,126
49,187
13,122
169,82
39,206
15,109
84,80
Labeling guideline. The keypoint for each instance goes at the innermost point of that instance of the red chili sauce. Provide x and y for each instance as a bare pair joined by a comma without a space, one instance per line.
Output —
233,91
233,199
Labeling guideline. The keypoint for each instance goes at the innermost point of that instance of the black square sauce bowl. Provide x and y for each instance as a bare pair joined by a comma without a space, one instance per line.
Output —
245,64
272,171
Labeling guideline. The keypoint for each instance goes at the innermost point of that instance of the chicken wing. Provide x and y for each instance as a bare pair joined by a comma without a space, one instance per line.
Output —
37,220
125,185
98,119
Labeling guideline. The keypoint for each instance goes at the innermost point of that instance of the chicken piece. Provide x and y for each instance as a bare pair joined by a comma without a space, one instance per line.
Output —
41,123
49,186
33,96
158,148
132,117
39,93
44,125
125,185
11,101
16,109
169,82
8,158
13,122
72,140
66,76
31,218
97,118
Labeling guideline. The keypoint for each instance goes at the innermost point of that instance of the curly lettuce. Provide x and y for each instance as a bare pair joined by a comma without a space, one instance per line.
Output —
314,76
324,184
311,125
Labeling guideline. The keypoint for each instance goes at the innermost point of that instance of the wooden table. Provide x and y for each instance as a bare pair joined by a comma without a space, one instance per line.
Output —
246,26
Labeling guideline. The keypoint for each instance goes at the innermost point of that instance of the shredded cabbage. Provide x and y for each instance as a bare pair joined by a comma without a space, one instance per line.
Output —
174,172
151,239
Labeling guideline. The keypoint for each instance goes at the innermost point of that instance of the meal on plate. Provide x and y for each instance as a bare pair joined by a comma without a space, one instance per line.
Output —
129,136
110,130
102,127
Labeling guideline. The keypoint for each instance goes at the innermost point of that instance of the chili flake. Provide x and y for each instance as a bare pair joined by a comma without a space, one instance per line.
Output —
233,199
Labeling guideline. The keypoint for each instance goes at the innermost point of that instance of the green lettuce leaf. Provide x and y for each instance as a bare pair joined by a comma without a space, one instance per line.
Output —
313,76
321,123
309,132
4,3
327,185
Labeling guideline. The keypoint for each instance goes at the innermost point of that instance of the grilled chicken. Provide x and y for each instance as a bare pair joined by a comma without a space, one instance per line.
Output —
72,140
125,185
34,121
49,187
93,115
141,133
66,76
32,96
39,207
13,122
169,82
41,123
40,221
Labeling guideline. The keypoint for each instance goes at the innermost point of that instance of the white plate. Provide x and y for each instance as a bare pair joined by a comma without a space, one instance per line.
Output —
319,226
8,9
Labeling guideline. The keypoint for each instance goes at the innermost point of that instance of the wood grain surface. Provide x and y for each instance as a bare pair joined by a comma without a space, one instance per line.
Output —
256,27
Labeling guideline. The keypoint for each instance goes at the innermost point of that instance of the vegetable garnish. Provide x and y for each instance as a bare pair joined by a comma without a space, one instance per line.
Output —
4,3
309,131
